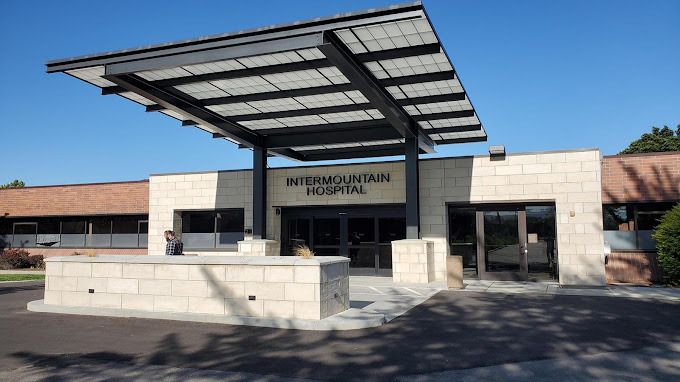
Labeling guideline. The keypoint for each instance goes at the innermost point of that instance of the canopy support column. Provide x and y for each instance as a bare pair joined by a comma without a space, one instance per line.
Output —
412,189
259,193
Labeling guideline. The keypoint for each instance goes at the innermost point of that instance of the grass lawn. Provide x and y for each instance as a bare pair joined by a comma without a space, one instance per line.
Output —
21,277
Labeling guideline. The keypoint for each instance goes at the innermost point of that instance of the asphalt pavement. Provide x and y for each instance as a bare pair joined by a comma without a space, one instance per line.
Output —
453,335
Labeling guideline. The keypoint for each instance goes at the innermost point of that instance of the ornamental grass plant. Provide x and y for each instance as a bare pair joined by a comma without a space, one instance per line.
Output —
303,251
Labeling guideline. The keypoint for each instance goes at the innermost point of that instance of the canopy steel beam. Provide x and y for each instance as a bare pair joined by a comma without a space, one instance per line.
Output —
331,137
461,140
294,139
345,108
108,90
387,54
372,89
187,108
152,108
325,127
354,152
278,94
350,127
446,115
404,102
225,53
346,20
303,112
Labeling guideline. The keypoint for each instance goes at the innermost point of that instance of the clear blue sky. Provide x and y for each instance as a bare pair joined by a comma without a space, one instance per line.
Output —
543,75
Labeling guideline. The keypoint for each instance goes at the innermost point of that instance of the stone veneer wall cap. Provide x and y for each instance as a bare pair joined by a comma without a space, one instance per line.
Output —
203,260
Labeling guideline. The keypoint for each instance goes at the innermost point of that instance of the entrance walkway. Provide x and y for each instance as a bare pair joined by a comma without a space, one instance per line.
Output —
381,295
553,288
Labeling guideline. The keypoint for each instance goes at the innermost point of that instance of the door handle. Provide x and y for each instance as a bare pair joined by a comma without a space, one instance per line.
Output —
526,251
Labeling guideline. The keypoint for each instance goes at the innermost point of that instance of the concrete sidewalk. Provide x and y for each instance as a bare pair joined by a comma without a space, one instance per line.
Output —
659,363
553,288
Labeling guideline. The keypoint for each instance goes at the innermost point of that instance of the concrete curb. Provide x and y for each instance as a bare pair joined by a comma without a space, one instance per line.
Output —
21,281
20,272
350,319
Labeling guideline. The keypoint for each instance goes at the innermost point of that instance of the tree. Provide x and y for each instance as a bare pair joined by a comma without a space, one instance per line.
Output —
667,236
15,184
657,141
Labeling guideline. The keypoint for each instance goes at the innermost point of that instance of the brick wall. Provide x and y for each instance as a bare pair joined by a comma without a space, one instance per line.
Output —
77,199
640,267
641,177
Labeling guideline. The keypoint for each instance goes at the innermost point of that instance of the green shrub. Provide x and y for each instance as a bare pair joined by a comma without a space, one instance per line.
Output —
36,262
667,236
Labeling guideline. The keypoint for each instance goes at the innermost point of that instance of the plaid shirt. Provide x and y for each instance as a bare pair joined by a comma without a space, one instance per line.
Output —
174,247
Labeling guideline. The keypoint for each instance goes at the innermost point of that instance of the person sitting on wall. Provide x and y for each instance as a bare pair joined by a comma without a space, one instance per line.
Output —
174,247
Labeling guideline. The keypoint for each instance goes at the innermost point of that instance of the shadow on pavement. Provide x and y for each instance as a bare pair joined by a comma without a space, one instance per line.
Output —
450,331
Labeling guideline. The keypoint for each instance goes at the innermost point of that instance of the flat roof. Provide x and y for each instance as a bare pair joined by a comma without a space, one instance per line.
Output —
351,85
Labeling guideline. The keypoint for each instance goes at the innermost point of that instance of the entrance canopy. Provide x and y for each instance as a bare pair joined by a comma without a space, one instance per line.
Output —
356,84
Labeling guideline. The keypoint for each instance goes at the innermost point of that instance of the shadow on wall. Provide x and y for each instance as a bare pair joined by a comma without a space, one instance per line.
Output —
663,185
634,268
451,331
638,187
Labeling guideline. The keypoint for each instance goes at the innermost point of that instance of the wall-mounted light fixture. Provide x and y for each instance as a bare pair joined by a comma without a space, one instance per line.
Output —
278,211
497,150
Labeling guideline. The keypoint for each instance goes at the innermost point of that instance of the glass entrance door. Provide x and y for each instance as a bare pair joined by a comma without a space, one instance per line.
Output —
361,242
362,234
503,244
326,236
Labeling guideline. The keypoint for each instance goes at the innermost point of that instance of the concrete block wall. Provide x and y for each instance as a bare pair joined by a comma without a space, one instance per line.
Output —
283,287
259,248
233,189
570,179
413,261
200,191
281,195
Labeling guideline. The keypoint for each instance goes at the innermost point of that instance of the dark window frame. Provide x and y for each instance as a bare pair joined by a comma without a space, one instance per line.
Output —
78,218
635,209
214,212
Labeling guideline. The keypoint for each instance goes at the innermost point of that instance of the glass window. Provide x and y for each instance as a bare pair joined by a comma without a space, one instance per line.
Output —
49,226
618,218
630,226
144,226
212,229
198,222
125,224
73,226
99,226
6,226
230,221
25,228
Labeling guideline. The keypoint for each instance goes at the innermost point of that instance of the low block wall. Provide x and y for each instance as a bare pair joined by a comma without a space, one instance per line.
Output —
284,287
413,261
